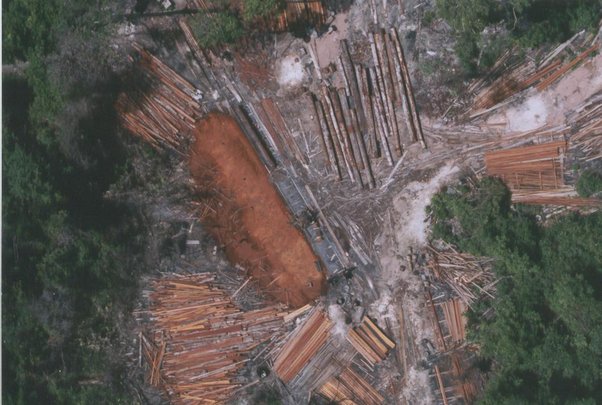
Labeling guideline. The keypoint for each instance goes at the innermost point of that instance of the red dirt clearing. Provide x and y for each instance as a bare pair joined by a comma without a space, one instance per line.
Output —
247,216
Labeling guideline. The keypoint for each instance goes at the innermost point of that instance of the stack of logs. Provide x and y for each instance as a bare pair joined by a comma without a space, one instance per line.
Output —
470,277
373,116
370,341
587,141
302,345
349,388
160,107
511,75
535,174
453,313
299,13
204,339
529,168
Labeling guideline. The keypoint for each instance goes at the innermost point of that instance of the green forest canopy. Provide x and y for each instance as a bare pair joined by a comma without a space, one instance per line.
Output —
529,23
69,262
545,340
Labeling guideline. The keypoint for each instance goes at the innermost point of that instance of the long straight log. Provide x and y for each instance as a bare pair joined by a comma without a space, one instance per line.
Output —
382,74
384,129
358,140
364,89
326,137
346,140
337,131
400,89
336,148
350,125
408,86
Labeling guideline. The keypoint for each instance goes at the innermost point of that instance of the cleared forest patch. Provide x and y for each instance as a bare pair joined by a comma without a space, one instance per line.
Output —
248,218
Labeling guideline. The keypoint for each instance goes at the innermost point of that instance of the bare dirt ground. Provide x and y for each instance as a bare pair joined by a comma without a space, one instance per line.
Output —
247,216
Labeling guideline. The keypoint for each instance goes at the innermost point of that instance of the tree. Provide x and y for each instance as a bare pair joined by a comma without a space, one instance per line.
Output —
216,29
253,9
545,339
589,183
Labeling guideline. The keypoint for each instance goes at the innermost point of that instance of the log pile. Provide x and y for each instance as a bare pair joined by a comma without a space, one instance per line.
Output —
453,313
471,278
370,341
204,339
535,174
349,388
302,345
587,119
456,378
299,13
160,107
511,74
373,116
535,167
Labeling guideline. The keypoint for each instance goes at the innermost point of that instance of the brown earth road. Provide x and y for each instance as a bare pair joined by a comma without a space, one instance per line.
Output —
248,217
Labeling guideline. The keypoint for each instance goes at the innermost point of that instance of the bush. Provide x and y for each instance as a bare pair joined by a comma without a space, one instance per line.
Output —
253,9
589,183
216,29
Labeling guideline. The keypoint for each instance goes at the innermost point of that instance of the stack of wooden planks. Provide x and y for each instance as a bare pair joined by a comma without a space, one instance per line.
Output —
470,277
302,345
299,13
535,174
160,107
453,312
587,119
535,167
204,339
349,388
370,341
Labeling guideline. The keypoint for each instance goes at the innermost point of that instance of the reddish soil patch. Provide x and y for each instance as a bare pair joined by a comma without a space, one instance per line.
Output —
247,216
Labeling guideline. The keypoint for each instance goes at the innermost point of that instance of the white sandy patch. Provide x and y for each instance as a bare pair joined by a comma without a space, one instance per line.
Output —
407,228
550,106
337,316
410,207
531,114
328,45
290,72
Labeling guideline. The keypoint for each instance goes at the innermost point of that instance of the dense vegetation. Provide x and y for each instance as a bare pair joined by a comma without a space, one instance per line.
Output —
544,343
226,25
527,23
589,183
69,255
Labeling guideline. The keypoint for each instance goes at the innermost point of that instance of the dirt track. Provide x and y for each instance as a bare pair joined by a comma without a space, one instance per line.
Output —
247,216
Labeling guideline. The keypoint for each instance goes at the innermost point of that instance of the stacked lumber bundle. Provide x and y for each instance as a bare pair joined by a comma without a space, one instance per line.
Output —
160,108
470,277
373,116
535,174
588,121
349,388
467,385
453,312
299,13
205,339
302,345
511,75
536,167
370,341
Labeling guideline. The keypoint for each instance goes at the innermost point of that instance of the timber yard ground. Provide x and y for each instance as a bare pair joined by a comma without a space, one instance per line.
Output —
311,164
